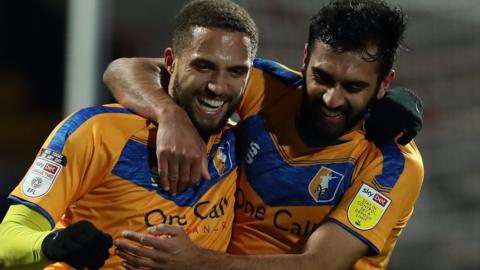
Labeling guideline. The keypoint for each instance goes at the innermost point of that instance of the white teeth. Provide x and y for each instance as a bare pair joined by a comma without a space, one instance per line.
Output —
329,113
213,103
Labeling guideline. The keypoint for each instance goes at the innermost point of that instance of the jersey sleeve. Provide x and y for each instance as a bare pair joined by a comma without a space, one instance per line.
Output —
71,162
380,201
21,233
267,82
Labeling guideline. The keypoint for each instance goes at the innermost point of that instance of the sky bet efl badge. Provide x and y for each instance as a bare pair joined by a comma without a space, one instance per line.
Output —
43,173
324,185
367,208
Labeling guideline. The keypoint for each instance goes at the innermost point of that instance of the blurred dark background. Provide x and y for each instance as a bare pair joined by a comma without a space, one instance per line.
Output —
53,53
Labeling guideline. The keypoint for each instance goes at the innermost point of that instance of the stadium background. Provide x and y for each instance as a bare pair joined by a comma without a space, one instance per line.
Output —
53,53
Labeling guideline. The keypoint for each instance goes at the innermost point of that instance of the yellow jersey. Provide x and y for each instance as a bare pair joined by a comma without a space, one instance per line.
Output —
100,165
287,189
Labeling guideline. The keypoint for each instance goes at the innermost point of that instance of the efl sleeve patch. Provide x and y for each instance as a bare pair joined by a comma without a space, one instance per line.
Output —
42,174
367,208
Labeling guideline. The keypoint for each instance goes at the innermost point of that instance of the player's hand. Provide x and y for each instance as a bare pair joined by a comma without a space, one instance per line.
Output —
168,247
181,152
80,245
398,112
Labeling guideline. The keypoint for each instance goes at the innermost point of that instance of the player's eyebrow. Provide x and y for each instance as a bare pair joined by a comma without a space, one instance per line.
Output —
323,75
203,61
317,71
200,61
242,68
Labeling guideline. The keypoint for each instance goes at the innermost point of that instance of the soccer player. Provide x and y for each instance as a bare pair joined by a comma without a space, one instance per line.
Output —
310,183
95,174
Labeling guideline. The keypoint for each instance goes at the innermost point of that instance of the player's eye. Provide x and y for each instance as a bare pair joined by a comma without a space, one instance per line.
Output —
202,66
323,79
355,87
238,72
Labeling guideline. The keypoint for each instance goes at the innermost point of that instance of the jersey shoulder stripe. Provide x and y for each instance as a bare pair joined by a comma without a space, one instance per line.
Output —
76,120
320,182
393,165
137,162
288,76
134,164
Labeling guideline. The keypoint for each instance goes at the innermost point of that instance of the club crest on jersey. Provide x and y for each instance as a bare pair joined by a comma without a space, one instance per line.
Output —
221,160
325,184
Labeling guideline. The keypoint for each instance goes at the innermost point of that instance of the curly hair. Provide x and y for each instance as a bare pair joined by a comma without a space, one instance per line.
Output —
222,14
354,25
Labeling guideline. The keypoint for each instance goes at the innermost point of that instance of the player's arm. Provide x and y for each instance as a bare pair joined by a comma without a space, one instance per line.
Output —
139,84
22,232
57,178
28,242
329,247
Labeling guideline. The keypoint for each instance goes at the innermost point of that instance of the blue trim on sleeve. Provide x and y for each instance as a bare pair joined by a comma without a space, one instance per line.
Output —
34,206
393,165
373,250
278,71
75,121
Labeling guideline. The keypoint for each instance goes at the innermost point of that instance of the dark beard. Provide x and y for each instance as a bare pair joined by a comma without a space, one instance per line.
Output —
316,133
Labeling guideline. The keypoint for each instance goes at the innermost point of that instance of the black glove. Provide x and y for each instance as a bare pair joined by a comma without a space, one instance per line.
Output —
400,110
80,245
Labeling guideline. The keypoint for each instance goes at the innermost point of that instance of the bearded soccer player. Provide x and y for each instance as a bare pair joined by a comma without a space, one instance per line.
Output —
95,173
310,182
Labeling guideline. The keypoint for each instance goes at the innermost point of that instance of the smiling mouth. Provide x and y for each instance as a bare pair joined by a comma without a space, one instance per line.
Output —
329,113
210,105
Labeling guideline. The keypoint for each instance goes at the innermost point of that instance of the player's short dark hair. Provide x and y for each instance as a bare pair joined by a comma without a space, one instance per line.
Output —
354,25
222,14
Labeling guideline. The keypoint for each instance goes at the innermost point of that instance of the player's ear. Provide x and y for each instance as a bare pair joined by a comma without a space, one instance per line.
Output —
169,60
305,56
385,84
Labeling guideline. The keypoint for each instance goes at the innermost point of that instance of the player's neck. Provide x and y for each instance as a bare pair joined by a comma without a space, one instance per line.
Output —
205,136
312,139
308,137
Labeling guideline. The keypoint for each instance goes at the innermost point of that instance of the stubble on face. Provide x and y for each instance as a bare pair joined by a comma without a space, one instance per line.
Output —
328,77
210,75
186,100
315,130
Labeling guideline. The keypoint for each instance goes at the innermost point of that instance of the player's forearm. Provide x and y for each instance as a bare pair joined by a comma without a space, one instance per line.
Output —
330,247
137,84
213,260
21,239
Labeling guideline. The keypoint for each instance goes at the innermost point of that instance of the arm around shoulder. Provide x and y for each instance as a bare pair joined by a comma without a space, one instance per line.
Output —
140,84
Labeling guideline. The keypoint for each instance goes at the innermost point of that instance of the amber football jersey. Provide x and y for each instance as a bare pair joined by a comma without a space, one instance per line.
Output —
287,189
99,164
